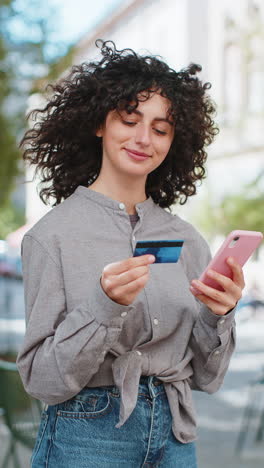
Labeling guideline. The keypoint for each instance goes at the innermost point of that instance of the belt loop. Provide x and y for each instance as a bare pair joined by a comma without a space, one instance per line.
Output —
151,386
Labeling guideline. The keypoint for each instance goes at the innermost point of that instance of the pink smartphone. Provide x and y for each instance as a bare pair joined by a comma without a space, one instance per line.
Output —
240,245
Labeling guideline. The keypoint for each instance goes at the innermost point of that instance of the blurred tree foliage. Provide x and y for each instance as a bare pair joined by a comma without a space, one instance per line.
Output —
27,53
242,210
9,154
11,218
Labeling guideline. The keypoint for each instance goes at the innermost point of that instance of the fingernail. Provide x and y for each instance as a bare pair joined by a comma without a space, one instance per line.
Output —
194,291
152,258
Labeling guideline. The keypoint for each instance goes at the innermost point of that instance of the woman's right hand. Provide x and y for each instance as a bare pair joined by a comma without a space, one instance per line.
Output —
122,281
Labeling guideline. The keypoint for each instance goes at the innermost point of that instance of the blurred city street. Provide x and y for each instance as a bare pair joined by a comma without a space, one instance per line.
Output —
220,415
12,322
224,40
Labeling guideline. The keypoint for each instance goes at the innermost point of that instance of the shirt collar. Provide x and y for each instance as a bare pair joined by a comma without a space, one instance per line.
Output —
105,201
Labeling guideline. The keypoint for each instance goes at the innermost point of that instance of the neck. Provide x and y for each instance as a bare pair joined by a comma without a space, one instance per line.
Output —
130,192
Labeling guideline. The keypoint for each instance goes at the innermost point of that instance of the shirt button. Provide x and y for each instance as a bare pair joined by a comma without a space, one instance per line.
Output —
216,353
139,353
121,206
222,321
134,238
155,321
124,314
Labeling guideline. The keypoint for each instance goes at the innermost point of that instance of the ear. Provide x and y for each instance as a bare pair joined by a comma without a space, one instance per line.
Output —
99,132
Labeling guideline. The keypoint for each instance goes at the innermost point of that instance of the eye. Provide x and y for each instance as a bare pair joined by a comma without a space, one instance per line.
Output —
160,132
127,122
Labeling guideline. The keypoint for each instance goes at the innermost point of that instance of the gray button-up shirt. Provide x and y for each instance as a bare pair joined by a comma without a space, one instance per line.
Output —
76,336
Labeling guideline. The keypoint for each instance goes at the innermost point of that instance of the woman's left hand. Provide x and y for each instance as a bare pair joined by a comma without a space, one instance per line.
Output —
221,302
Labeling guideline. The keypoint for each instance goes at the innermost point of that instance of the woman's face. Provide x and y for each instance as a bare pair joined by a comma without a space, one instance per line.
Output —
135,144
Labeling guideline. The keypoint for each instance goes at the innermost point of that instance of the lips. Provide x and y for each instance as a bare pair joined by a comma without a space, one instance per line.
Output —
137,155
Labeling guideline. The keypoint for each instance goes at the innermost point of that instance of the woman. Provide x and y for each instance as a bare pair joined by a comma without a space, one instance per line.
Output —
114,343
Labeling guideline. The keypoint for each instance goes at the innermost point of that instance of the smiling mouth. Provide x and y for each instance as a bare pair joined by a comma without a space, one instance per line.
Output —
137,155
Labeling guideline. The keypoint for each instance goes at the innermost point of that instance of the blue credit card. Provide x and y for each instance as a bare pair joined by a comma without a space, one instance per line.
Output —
165,251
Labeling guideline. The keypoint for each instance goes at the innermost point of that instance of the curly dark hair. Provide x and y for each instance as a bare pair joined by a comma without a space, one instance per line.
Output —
63,143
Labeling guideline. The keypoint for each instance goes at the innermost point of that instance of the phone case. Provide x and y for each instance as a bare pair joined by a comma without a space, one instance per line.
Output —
240,245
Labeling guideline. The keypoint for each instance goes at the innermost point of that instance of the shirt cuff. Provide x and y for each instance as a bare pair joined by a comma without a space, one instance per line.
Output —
221,322
106,311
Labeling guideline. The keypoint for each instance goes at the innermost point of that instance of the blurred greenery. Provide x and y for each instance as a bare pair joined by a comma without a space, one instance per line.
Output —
15,389
27,54
56,69
11,219
9,153
241,210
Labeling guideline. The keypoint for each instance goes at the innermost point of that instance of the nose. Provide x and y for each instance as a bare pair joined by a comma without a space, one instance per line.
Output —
142,136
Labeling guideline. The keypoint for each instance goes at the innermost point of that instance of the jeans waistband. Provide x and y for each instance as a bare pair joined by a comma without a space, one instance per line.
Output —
145,380
149,385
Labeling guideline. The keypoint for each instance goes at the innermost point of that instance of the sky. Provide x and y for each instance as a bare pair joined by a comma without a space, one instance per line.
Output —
66,21
77,17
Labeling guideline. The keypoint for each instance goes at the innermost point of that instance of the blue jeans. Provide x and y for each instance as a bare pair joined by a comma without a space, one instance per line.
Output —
81,432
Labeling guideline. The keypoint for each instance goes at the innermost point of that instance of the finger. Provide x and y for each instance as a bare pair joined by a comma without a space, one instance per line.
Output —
119,267
218,296
232,290
238,275
132,287
216,308
226,283
126,277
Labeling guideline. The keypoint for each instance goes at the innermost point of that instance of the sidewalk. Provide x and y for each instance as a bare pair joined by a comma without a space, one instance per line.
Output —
220,414
23,453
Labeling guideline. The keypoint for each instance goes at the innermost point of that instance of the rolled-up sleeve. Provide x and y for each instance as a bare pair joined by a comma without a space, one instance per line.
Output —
62,348
213,342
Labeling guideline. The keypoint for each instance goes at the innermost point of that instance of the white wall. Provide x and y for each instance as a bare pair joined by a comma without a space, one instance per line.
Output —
157,27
